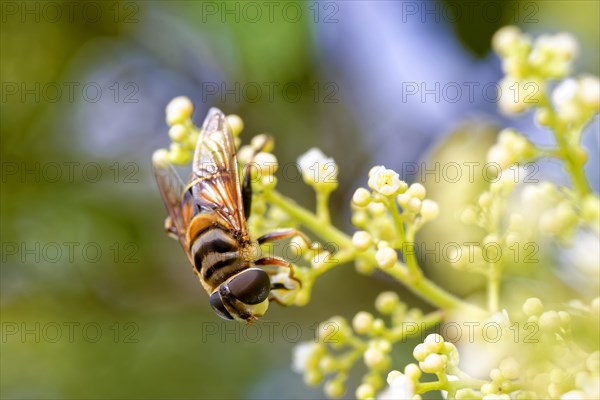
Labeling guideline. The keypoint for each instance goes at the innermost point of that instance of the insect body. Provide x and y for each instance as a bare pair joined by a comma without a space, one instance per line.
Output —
208,217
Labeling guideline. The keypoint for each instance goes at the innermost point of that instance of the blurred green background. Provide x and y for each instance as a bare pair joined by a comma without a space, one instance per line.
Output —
96,301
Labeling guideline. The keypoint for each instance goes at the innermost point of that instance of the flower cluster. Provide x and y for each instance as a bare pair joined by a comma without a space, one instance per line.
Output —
545,345
340,345
388,216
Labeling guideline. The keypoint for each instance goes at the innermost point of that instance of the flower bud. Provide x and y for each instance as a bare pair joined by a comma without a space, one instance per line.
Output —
313,377
375,358
318,170
361,197
178,110
235,123
434,343
533,306
376,209
328,364
506,39
334,388
420,352
361,240
178,155
264,164
178,132
387,302
160,157
433,363
413,371
403,199
365,391
550,321
362,322
417,190
429,210
386,257
589,91
414,205
485,200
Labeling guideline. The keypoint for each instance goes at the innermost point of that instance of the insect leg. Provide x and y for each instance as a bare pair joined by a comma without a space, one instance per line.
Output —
278,262
247,183
283,234
247,191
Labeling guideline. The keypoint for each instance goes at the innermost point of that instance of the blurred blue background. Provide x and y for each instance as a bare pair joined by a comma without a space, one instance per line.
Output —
96,301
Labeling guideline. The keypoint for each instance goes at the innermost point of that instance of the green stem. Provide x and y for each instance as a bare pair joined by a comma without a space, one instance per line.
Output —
323,206
408,248
429,291
568,141
308,219
424,288
572,164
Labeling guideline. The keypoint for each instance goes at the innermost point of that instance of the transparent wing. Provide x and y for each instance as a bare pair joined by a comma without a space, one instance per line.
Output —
179,202
216,176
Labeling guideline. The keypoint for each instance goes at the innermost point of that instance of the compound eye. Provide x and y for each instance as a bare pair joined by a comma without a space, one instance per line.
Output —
217,305
251,286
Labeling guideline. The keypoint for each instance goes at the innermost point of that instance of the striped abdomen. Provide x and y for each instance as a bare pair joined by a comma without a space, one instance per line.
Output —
217,256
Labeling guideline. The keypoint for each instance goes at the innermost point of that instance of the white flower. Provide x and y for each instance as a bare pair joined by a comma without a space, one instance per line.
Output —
178,110
384,181
160,157
302,356
516,96
401,387
552,54
317,169
573,395
565,92
589,87
265,164
506,39
564,44
579,267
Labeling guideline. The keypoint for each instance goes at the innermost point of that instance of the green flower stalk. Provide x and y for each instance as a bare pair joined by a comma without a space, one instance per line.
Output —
553,351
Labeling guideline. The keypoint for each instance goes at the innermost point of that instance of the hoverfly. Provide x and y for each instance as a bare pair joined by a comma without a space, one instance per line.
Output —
208,217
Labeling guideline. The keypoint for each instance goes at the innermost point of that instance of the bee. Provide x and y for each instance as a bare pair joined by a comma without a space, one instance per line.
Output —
208,217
